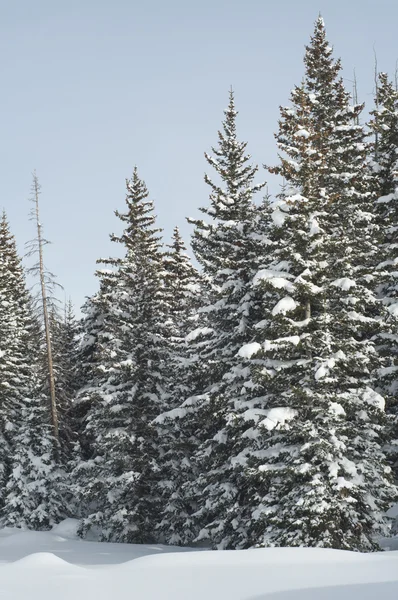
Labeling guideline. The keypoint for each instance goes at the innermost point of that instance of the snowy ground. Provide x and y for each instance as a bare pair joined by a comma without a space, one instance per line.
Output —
44,566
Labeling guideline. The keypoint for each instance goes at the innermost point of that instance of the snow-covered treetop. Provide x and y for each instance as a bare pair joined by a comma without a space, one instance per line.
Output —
321,68
139,217
231,163
384,124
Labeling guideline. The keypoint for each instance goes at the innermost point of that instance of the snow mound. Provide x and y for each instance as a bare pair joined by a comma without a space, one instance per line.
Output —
41,559
315,574
67,529
16,544
22,538
161,573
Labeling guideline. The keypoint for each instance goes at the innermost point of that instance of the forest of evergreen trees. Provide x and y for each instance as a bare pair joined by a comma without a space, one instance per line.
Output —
250,403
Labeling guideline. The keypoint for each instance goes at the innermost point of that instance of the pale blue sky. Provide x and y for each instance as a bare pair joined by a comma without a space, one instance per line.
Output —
91,87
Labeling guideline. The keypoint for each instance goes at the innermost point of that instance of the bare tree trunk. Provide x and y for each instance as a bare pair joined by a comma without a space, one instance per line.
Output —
376,82
355,95
53,402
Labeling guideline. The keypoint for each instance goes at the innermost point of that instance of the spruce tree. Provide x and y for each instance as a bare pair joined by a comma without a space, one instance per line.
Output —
117,480
36,493
384,164
183,286
64,336
32,494
184,289
14,361
384,167
228,246
313,471
89,377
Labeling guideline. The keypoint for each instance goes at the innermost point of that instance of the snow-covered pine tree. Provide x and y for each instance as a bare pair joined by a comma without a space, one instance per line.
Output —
228,247
384,164
118,478
183,285
184,289
89,377
37,491
64,336
314,470
14,362
31,493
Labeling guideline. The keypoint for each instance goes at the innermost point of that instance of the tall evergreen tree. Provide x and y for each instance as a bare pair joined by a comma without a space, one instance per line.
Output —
313,470
32,494
384,163
228,246
118,479
14,332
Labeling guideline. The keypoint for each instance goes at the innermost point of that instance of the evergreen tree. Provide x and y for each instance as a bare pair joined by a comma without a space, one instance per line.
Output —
384,125
64,336
228,246
119,477
384,165
183,285
14,332
36,492
31,484
89,377
184,289
313,471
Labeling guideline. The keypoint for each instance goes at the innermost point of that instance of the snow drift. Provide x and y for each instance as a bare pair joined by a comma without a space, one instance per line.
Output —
44,566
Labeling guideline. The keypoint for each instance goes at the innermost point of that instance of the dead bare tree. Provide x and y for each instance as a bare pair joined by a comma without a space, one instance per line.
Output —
46,282
376,96
355,95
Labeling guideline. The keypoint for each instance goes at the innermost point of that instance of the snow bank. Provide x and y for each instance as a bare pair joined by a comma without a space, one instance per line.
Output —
63,542
155,573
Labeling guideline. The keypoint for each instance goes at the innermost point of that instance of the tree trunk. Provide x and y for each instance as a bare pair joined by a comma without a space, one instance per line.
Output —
53,402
